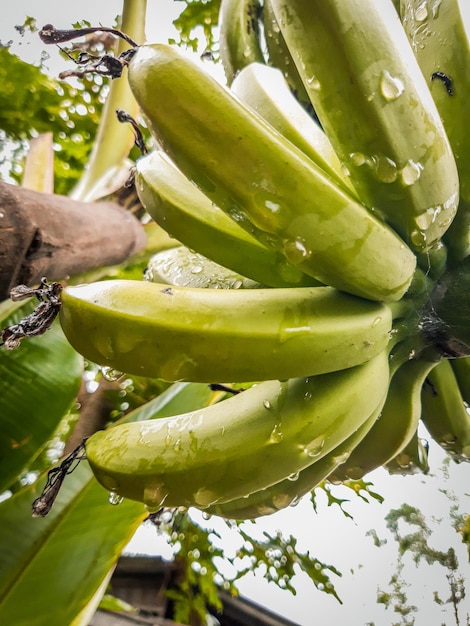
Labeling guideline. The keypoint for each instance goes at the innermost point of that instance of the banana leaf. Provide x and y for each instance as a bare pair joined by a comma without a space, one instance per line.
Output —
51,567
39,381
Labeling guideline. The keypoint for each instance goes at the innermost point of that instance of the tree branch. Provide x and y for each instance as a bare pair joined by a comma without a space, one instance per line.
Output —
55,236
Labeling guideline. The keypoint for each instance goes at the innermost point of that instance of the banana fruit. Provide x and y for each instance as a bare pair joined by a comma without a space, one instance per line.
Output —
439,34
174,333
182,267
280,57
189,216
282,198
373,101
241,445
239,36
395,427
289,491
265,90
445,413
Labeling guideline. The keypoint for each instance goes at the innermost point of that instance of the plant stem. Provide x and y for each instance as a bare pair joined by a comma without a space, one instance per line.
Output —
114,140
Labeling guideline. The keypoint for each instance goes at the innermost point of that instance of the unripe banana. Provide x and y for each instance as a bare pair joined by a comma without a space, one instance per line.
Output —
439,35
189,216
289,491
372,100
413,459
280,57
445,413
239,446
282,196
461,369
239,40
211,335
395,427
264,89
182,267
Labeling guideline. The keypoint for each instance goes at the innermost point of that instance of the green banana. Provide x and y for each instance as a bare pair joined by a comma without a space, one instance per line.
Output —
187,214
289,491
264,89
368,91
211,335
280,57
439,35
445,413
240,445
182,267
461,369
412,459
282,196
239,37
395,427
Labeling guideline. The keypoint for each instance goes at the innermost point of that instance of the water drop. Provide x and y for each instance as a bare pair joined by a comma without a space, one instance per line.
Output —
435,8
267,404
110,374
154,497
282,500
421,12
314,448
391,87
296,250
357,158
385,168
196,269
205,497
276,434
294,476
313,83
115,498
410,172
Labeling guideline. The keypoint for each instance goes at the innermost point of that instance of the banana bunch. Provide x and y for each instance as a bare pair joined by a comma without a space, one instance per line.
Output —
342,233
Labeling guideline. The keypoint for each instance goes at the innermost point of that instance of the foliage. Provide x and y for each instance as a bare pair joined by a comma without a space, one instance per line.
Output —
198,14
417,545
31,102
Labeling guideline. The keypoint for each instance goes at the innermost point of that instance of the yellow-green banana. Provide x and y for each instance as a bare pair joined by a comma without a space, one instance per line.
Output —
445,413
282,196
239,37
265,90
291,489
213,335
182,267
461,369
187,214
374,103
394,428
280,57
439,34
241,445
412,459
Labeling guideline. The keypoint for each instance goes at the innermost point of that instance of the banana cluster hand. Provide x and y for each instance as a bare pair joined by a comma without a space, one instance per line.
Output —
346,227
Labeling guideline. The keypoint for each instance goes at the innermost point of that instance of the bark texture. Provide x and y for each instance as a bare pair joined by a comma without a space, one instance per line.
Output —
54,236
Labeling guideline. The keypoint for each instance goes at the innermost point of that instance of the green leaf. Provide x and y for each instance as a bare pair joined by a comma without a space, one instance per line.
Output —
51,567
38,383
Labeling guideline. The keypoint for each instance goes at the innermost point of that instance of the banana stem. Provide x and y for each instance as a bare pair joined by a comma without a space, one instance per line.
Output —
114,140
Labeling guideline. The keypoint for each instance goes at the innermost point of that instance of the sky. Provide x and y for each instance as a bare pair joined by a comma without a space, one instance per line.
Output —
326,534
